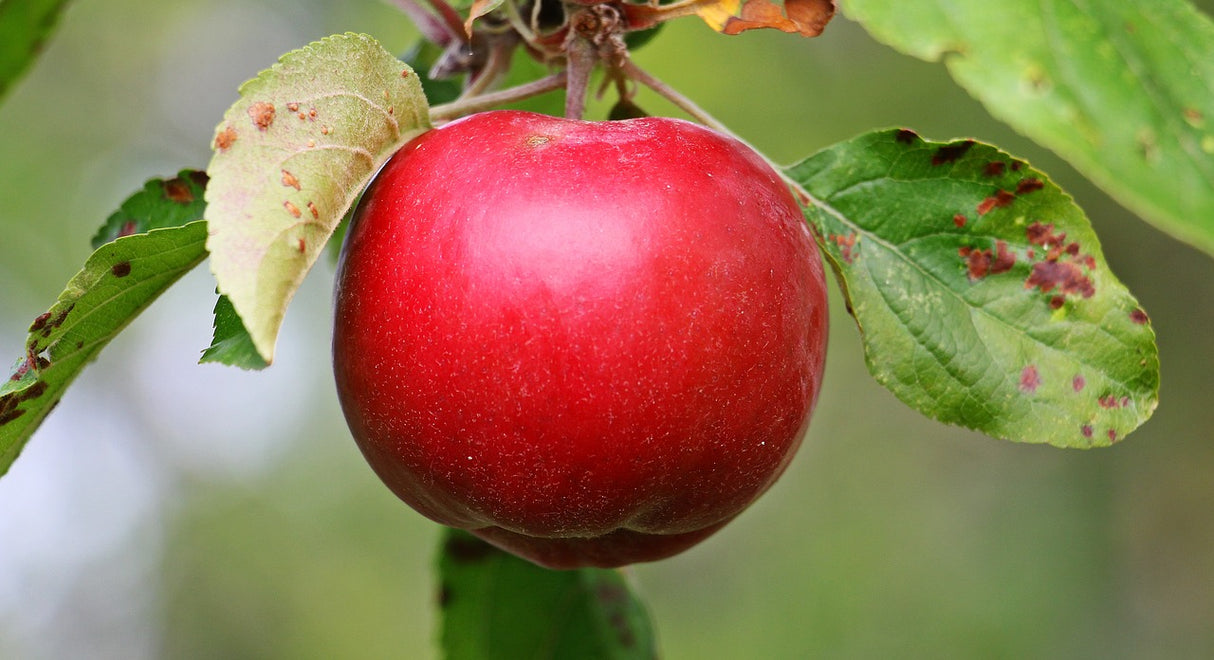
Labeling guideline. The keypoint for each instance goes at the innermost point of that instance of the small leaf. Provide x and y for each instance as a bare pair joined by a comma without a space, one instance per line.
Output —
495,605
118,282
1122,90
980,290
231,344
25,25
291,156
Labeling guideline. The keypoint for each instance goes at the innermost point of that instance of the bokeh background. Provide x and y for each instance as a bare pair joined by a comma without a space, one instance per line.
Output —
173,510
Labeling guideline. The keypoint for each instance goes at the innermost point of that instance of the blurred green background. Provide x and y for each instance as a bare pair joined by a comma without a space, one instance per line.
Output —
174,510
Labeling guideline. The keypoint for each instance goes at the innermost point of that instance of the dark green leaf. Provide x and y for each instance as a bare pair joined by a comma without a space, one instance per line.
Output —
232,344
980,290
1122,90
118,282
495,605
25,25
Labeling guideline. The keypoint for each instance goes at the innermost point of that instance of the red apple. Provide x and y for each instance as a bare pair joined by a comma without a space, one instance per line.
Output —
589,343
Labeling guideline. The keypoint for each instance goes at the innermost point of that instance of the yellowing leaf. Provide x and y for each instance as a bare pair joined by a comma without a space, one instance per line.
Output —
805,17
291,156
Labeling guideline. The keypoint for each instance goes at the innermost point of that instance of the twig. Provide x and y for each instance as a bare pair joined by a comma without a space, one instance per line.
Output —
455,109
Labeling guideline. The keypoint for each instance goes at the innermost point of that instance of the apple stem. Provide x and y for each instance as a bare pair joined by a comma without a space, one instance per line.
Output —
671,94
459,108
580,57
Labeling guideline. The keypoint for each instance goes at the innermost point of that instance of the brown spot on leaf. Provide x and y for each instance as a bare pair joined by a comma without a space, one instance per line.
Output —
40,321
1139,316
293,107
289,179
200,178
1086,430
1043,235
313,210
121,269
951,152
302,117
994,168
1016,165
1029,185
177,190
291,208
1078,382
404,74
391,110
1066,276
846,245
1057,302
1004,259
33,391
324,130
62,315
906,136
303,246
999,200
959,220
225,138
10,416
1109,402
1112,435
1029,379
977,262
128,228
262,114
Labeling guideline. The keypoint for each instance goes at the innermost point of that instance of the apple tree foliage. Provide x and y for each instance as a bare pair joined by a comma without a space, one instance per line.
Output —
978,286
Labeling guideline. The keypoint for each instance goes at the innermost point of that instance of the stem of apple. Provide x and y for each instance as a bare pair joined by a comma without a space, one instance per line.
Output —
580,58
669,93
685,104
455,109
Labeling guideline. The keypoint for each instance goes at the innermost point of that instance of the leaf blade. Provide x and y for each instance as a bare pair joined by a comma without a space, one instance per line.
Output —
980,290
291,156
25,25
118,281
1124,91
495,605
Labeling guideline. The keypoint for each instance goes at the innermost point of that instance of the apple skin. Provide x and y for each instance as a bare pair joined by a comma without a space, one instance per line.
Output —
588,343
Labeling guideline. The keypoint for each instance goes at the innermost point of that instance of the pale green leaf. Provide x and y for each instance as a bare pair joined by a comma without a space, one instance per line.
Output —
980,290
291,156
1122,90
25,25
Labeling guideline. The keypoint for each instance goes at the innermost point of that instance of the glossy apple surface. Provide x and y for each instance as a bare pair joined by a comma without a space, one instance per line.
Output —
589,343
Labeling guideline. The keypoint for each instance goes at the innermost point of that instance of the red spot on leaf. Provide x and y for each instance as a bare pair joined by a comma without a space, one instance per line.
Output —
290,180
999,200
1078,382
1066,276
1029,185
994,168
176,190
1112,435
846,245
225,138
1057,302
262,114
959,220
1029,379
1139,316
128,228
906,136
303,246
40,322
121,269
1004,259
950,153
1086,430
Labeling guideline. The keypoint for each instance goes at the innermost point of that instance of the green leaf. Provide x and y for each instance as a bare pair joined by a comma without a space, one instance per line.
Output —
118,282
231,344
1122,90
25,25
495,605
291,156
980,290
